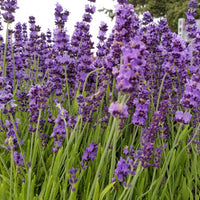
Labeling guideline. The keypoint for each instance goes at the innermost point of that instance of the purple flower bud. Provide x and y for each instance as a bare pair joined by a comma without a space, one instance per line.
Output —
73,178
179,116
118,110
192,4
89,154
186,118
18,158
183,117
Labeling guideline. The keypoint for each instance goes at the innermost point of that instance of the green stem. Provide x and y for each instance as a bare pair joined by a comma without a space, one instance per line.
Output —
96,70
102,159
11,173
18,139
159,94
113,159
167,161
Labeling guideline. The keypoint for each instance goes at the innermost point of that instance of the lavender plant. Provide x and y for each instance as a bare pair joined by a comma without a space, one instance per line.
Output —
121,123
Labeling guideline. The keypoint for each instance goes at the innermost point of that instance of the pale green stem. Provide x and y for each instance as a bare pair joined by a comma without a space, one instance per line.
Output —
96,70
102,159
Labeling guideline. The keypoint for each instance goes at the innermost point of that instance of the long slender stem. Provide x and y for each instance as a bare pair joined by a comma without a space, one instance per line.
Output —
18,139
11,172
160,91
102,159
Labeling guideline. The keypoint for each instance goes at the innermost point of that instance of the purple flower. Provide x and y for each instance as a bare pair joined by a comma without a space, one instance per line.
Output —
147,18
186,118
73,178
191,23
192,4
60,16
18,158
118,110
123,169
122,1
183,117
89,154
11,134
90,9
9,7
148,150
179,116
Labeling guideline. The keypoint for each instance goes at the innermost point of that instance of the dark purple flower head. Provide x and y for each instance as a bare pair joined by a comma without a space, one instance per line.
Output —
163,26
61,16
89,154
73,178
92,1
90,9
11,136
122,1
192,4
147,18
141,108
31,20
9,6
190,22
18,158
87,18
8,17
123,169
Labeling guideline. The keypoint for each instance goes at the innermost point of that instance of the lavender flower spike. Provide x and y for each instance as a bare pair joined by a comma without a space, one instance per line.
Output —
89,154
73,178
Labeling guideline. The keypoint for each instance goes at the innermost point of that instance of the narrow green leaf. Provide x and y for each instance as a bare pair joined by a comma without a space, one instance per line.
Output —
108,187
57,164
184,190
49,186
96,192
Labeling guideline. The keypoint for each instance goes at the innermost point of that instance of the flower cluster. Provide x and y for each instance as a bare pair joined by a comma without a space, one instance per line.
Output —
73,178
141,111
118,110
191,95
131,72
18,158
191,23
61,16
5,92
11,135
62,121
125,166
9,7
148,151
183,117
89,154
